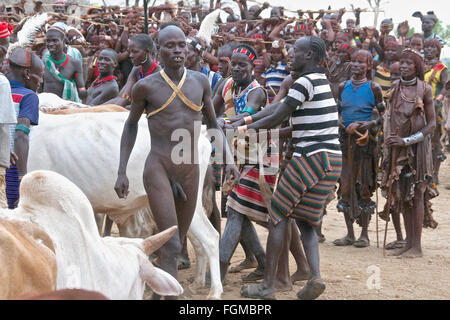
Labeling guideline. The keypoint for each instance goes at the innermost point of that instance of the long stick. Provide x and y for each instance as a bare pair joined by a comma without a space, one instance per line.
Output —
145,17
389,198
389,195
377,150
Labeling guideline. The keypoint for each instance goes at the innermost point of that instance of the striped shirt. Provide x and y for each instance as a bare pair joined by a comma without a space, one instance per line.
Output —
383,78
213,77
315,120
274,77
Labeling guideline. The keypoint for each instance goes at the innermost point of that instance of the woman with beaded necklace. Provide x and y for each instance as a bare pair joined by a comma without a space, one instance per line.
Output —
358,99
408,166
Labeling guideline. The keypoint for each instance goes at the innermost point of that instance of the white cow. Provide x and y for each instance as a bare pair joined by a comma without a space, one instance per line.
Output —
115,267
85,148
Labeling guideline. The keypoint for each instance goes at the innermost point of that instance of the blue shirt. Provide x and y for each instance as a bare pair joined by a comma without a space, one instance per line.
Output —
26,105
357,105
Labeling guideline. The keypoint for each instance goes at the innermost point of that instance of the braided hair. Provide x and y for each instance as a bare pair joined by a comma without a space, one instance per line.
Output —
319,48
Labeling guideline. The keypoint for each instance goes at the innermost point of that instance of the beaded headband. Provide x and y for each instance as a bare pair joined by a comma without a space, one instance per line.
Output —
409,50
245,51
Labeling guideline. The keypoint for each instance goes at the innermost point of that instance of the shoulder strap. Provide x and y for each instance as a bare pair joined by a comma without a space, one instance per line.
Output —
179,93
176,92
172,96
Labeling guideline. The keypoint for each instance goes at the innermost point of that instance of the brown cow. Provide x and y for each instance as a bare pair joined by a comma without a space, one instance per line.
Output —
27,259
66,294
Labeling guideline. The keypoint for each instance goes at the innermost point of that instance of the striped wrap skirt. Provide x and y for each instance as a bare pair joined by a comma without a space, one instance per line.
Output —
246,197
304,187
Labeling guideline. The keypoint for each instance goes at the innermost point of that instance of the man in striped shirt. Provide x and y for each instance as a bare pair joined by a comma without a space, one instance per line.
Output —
314,169
275,74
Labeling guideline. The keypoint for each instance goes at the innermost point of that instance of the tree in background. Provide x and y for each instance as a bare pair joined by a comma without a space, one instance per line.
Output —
443,32
375,5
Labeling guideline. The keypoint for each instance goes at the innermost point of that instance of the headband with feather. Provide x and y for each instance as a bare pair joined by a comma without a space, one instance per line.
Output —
26,35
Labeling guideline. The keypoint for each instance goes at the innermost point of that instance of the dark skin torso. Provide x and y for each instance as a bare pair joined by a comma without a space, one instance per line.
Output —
156,92
103,93
53,85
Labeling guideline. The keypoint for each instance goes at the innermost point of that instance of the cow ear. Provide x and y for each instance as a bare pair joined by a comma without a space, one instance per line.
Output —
158,280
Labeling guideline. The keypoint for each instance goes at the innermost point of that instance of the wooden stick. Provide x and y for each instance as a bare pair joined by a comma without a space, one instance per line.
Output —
389,195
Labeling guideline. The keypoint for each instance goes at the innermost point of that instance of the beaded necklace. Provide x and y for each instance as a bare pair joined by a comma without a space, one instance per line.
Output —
407,83
98,82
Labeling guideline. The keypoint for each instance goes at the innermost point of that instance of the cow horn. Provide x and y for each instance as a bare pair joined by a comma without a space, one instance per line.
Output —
153,243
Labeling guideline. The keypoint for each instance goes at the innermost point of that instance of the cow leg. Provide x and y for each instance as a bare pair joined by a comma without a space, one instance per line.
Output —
215,215
108,226
205,240
99,219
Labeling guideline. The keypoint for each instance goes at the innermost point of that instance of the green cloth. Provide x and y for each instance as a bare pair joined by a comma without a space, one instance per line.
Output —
70,91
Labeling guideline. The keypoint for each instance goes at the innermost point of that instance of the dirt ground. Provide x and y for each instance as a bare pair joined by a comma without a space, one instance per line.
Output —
346,270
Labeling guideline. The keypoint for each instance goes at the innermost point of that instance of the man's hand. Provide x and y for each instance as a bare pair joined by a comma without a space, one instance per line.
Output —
231,174
13,158
122,185
394,141
366,125
352,127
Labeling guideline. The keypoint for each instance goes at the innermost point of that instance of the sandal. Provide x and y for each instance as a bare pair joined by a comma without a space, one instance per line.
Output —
253,276
311,290
343,242
396,245
256,291
361,243
243,266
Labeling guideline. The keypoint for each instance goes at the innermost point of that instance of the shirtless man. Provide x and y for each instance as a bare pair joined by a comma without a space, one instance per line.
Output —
63,75
143,55
161,174
105,86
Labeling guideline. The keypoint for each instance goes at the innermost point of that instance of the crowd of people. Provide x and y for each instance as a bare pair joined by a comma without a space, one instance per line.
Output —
355,108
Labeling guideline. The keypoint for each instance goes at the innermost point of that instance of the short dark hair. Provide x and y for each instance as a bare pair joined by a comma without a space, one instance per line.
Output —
113,53
144,41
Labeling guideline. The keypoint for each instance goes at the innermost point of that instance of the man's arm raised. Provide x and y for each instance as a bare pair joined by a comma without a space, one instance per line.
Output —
128,139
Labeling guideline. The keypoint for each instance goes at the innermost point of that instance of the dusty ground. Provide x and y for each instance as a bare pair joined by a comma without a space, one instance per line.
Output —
345,269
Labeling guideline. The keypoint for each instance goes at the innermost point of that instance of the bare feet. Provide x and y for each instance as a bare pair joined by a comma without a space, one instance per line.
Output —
299,276
283,286
246,264
413,253
345,241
